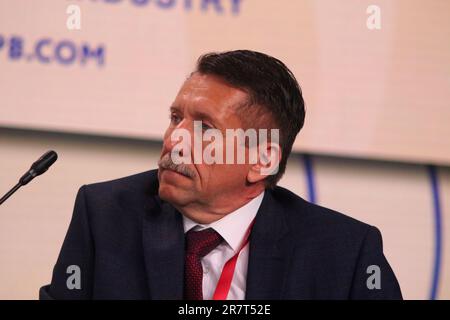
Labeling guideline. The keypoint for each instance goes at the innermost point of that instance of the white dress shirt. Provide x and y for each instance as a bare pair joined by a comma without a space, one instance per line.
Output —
232,228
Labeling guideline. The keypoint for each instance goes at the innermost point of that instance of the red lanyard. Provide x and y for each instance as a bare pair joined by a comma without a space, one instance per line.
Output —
224,284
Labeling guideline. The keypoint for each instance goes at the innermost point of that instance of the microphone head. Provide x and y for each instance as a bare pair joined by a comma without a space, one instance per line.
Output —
39,167
44,162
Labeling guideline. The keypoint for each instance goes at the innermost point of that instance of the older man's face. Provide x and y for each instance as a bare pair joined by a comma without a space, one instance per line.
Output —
208,99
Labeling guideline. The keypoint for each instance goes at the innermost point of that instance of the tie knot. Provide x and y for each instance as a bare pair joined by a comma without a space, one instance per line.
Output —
201,243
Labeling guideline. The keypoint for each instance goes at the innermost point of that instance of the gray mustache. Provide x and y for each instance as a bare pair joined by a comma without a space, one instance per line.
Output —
166,163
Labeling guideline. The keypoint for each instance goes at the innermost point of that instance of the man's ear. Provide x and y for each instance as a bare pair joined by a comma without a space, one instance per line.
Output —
269,157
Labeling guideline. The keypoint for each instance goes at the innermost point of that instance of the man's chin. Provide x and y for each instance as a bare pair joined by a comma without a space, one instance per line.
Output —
171,194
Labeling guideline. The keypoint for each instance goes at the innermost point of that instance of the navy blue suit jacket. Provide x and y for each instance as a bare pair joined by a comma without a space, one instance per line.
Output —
129,244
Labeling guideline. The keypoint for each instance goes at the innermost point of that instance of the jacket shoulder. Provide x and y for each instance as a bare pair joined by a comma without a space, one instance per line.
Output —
123,197
317,219
333,250
144,182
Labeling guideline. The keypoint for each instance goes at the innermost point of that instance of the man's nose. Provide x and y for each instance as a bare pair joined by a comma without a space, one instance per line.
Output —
180,139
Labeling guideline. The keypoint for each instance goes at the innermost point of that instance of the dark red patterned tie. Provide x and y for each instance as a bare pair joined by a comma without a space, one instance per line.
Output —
198,245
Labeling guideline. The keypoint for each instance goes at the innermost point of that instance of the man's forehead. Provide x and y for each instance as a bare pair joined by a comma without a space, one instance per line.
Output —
201,88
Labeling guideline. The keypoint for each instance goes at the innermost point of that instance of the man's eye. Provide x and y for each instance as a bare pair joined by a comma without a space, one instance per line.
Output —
206,126
174,119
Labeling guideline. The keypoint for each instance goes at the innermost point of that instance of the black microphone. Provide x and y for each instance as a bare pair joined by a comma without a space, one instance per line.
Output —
37,168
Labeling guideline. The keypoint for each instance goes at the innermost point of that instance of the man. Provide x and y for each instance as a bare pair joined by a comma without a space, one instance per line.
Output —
213,230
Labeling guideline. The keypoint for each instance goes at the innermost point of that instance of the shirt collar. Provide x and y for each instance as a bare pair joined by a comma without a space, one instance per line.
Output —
233,226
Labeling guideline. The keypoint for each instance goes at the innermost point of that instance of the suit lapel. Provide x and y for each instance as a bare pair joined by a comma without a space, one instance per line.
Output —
163,243
270,252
